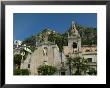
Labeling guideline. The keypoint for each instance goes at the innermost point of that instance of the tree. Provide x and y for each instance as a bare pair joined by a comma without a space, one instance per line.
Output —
17,59
80,64
57,38
46,70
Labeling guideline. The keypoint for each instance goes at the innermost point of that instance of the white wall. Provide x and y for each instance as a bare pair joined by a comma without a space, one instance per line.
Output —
93,56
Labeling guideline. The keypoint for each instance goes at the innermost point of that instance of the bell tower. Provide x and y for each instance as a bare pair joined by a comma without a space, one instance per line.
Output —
74,40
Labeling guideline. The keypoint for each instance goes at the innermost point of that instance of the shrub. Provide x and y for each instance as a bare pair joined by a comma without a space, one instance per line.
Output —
21,72
92,71
46,70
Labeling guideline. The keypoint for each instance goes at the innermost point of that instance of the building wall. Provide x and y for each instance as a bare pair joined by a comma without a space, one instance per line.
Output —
92,64
37,58
93,56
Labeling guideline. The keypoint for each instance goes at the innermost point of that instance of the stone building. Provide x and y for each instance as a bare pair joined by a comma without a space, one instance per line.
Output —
48,53
75,49
90,53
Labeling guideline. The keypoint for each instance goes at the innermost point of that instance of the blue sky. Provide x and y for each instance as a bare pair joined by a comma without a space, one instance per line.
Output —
27,24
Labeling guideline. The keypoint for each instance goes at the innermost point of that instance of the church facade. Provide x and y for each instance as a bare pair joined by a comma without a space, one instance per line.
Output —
45,54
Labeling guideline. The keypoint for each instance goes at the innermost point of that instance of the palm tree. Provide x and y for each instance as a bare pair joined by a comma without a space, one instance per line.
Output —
80,64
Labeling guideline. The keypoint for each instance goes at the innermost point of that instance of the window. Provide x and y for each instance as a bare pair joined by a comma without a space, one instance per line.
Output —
89,59
74,45
45,61
28,65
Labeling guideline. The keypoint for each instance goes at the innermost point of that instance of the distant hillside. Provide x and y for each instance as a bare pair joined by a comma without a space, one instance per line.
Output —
88,36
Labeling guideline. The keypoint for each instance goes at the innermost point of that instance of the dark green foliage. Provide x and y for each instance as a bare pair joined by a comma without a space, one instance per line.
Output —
77,72
25,56
79,63
65,39
30,41
21,72
17,59
24,72
88,35
57,38
59,42
46,70
92,71
17,72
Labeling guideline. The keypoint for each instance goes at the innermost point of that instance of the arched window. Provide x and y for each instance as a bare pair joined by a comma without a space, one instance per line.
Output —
74,45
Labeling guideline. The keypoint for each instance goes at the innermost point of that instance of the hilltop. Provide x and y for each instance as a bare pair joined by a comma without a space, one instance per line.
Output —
88,36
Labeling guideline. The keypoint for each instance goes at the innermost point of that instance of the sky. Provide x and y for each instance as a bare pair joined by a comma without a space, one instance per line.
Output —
28,24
